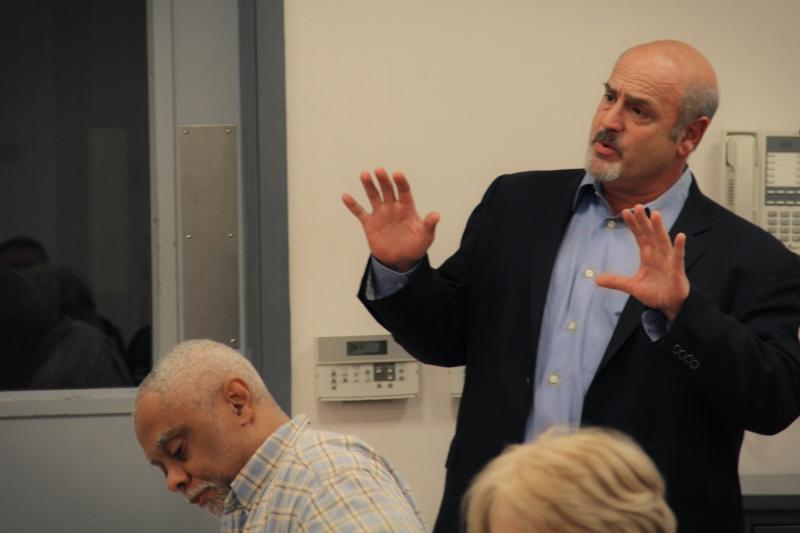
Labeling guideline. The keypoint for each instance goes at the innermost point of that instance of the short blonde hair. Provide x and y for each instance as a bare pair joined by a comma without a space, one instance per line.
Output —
590,480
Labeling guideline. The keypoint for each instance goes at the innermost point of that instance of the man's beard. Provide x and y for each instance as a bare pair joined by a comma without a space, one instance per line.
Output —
603,171
215,498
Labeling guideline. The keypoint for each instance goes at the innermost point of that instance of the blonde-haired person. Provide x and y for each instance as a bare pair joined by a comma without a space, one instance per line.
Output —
590,480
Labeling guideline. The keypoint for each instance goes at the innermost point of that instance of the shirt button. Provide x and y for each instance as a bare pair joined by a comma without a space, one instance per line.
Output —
553,379
589,273
611,224
571,325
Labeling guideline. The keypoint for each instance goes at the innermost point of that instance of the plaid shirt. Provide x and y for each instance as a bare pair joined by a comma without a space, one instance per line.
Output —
306,480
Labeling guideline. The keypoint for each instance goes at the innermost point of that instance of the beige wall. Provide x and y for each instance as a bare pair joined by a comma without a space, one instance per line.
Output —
455,93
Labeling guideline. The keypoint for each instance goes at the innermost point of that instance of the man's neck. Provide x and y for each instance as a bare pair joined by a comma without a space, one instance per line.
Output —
625,193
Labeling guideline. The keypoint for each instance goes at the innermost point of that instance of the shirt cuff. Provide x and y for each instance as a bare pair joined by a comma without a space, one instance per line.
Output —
382,281
655,324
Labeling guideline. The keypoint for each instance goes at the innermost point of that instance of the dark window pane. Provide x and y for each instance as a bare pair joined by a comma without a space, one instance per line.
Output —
75,288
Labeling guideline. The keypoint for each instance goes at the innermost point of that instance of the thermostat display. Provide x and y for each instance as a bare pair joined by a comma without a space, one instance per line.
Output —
366,347
365,368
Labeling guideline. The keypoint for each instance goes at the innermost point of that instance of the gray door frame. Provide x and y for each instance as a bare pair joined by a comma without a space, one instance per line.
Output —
264,176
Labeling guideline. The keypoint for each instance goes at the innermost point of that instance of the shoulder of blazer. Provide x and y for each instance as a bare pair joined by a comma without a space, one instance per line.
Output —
544,178
714,227
520,184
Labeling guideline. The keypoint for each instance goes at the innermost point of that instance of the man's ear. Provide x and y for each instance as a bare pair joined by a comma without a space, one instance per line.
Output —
239,400
692,136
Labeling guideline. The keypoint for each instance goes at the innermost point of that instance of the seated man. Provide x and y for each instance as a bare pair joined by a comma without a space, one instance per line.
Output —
592,480
205,418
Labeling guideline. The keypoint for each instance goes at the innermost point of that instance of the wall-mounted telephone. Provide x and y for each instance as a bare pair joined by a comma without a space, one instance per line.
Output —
762,181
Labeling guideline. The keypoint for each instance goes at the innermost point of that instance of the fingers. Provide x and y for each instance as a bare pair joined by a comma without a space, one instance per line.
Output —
660,233
403,188
614,281
369,187
637,221
386,186
648,231
430,222
680,251
353,206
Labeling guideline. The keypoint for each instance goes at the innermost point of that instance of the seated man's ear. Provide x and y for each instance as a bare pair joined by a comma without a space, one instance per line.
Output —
238,399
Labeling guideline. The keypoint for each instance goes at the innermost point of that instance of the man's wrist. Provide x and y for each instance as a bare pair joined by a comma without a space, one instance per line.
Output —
672,311
403,267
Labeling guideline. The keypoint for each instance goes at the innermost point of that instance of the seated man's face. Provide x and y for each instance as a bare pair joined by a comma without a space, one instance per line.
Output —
190,446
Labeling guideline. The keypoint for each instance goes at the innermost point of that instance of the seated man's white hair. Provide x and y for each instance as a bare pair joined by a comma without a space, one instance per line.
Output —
590,480
195,370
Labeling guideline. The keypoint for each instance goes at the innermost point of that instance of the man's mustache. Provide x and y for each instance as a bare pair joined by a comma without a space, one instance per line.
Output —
191,494
607,137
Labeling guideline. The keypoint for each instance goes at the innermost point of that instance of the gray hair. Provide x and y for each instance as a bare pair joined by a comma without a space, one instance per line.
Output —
195,370
698,101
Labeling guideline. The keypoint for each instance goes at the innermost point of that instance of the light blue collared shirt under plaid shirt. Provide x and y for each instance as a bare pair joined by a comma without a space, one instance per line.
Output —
305,480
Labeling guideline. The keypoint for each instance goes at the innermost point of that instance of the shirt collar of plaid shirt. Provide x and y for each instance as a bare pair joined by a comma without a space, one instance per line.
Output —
260,468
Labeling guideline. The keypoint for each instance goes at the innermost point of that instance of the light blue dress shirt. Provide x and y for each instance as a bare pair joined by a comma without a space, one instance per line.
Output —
579,317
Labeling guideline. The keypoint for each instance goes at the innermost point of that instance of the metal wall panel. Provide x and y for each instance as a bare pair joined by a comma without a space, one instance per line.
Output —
209,250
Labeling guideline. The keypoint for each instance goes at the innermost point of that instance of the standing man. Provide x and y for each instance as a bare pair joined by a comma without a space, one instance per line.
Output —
205,418
697,342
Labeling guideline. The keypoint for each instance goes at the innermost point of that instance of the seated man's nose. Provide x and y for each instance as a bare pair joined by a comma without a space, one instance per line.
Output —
176,481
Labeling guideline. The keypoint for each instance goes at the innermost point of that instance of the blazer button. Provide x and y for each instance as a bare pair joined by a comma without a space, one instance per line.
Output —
677,349
527,381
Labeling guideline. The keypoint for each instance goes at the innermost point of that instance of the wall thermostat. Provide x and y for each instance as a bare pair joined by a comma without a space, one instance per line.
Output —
366,367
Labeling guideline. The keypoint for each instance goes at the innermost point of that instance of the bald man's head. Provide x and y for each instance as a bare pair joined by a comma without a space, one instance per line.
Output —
656,107
694,78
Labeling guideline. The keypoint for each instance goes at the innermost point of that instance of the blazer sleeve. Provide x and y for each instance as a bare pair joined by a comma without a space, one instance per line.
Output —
426,316
747,366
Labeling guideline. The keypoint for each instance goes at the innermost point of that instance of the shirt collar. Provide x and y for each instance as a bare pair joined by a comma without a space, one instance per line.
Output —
259,470
669,204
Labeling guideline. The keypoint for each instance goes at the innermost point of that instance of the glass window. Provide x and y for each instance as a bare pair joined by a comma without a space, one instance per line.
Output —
75,275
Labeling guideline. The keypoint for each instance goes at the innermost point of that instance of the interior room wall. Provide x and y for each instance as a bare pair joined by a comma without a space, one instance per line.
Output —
455,93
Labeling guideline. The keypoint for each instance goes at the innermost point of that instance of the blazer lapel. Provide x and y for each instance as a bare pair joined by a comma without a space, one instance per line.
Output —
692,221
553,213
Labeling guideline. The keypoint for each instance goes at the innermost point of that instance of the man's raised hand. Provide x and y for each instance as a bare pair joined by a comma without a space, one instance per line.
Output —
661,281
396,234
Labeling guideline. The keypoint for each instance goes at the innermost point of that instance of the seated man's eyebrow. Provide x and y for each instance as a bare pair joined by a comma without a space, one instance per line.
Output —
168,435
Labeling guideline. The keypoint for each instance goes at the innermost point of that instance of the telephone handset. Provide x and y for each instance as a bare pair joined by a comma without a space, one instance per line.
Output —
762,181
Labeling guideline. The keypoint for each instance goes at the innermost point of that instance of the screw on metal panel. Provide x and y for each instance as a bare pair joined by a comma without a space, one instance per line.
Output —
186,132
188,235
230,235
227,130
232,341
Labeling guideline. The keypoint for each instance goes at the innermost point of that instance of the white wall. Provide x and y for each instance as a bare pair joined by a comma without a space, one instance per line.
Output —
455,93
